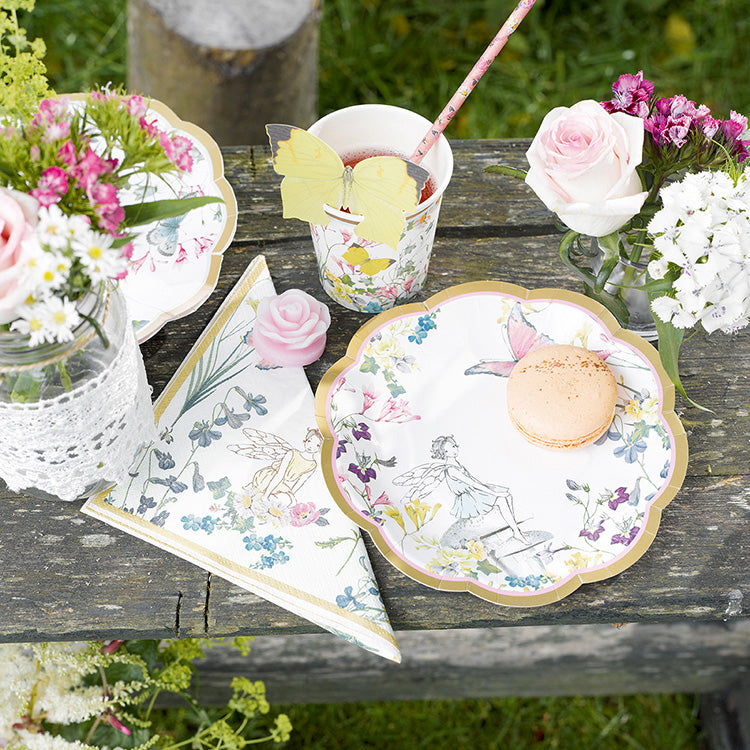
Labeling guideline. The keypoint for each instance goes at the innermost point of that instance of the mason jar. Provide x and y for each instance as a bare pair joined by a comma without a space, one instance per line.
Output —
74,415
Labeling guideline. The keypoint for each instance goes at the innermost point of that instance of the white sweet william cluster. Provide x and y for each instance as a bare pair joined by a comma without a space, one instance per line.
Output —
702,236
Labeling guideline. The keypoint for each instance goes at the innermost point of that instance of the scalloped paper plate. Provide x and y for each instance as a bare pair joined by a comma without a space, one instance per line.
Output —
175,263
420,452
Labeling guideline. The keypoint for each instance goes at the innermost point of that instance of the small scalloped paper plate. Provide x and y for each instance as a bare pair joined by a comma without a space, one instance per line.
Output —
175,263
420,452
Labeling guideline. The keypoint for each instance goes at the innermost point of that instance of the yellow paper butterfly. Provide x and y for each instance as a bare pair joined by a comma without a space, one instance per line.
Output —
380,188
361,260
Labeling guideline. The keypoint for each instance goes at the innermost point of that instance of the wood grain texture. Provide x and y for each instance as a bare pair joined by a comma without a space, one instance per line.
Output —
492,662
66,576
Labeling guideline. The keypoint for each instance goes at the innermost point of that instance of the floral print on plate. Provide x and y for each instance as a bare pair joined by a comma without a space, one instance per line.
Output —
421,451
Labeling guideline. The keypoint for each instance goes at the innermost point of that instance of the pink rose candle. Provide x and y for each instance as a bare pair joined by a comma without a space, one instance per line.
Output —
290,329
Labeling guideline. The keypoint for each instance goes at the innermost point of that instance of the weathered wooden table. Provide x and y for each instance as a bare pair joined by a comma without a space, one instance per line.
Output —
66,576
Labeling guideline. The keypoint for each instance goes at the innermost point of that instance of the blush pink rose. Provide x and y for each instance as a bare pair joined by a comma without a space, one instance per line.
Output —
18,216
290,329
583,164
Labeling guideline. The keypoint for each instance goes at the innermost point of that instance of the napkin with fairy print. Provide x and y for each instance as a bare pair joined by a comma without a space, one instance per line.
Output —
234,483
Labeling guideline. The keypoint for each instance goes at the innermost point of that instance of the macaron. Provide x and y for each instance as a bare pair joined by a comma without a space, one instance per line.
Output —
561,397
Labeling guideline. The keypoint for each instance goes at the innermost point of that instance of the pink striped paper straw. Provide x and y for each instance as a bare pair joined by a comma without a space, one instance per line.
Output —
471,80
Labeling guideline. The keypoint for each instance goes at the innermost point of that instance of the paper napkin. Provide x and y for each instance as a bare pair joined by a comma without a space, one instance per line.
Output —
234,484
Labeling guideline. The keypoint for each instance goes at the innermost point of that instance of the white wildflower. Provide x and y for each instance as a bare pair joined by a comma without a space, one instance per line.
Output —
657,268
53,228
44,741
60,318
48,272
31,324
96,253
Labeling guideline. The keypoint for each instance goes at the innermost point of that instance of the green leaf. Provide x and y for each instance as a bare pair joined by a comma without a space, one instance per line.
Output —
144,213
670,339
369,365
509,171
333,542
483,566
148,650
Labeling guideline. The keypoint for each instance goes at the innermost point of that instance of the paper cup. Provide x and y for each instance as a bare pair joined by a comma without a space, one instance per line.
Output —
355,285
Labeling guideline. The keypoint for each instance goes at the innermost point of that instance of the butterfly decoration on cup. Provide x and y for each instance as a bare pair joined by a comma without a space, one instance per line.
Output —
380,189
359,257
523,338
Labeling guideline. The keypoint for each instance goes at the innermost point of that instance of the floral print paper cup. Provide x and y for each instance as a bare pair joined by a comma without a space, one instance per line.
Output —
360,274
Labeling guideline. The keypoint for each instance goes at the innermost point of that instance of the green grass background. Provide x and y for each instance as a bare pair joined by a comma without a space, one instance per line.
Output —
415,53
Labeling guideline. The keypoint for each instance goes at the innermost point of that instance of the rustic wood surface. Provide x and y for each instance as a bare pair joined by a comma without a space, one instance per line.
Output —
493,662
66,576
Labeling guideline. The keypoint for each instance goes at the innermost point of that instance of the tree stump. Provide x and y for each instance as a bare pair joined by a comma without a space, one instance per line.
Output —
229,67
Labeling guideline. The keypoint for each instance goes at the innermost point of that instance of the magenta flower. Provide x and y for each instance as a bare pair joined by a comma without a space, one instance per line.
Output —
135,105
631,95
50,110
177,149
67,154
90,167
53,184
150,127
103,197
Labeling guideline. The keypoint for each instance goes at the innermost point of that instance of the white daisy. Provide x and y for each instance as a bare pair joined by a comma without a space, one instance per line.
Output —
60,318
31,324
97,255
53,228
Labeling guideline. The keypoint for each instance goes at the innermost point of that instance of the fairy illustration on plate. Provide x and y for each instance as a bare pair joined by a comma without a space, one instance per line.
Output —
287,470
484,512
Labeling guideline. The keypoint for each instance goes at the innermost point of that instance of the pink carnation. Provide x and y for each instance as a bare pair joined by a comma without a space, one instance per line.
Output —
151,128
177,149
67,154
631,95
90,167
103,196
53,184
135,105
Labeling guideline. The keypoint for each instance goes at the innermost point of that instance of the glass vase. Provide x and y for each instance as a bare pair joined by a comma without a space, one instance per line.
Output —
625,282
73,416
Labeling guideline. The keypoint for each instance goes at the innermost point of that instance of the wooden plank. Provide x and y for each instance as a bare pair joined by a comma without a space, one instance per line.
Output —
489,663
725,718
58,584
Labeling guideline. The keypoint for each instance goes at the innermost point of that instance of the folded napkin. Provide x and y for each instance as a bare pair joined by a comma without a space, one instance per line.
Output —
234,484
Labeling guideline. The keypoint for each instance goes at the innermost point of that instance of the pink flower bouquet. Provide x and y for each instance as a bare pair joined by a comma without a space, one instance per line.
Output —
65,230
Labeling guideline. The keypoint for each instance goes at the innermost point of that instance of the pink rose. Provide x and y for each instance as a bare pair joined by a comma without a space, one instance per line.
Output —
583,167
18,215
290,329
